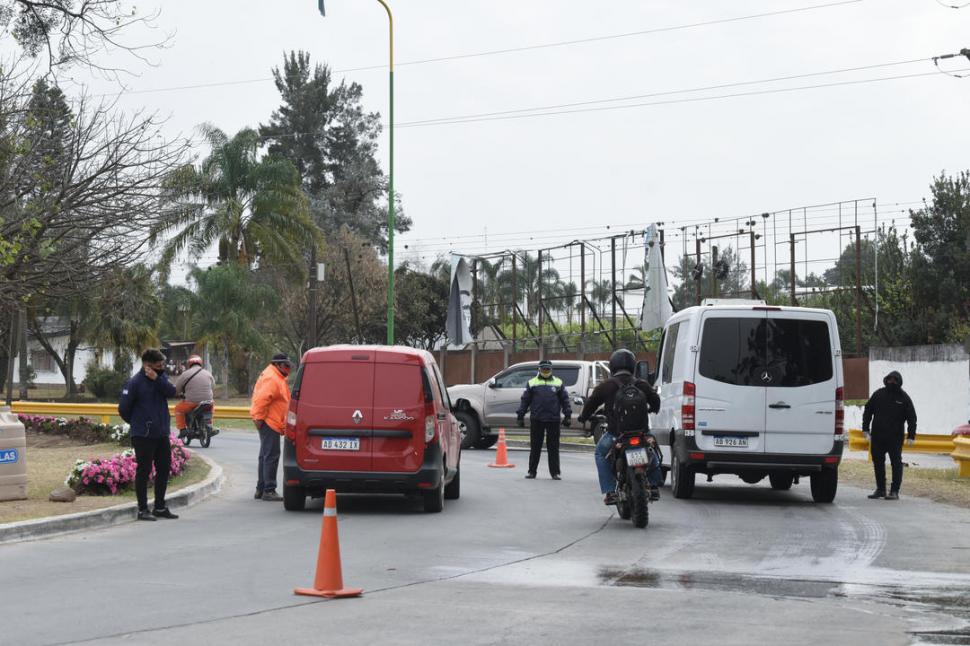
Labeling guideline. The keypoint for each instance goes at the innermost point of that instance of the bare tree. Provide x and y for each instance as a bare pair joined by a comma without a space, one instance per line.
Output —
79,32
79,189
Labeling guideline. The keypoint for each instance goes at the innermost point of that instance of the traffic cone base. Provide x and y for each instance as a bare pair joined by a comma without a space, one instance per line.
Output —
328,581
329,594
501,453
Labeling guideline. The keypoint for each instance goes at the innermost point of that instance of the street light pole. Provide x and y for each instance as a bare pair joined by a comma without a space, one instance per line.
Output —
391,221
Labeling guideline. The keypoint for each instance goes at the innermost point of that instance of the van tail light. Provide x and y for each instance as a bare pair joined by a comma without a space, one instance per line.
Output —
688,408
290,430
430,422
839,411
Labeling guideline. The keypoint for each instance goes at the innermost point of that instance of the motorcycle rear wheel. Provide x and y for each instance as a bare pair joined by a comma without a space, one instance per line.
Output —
205,438
638,500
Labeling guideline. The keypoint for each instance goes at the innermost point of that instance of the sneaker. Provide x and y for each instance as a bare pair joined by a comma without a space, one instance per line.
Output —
259,495
144,514
654,493
878,493
530,476
893,495
164,513
271,496
610,498
557,477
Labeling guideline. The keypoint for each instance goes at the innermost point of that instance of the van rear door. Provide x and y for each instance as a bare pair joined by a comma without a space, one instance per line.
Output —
400,391
803,380
335,419
730,391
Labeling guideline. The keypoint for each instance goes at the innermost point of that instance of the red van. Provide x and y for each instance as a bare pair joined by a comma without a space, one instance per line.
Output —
370,419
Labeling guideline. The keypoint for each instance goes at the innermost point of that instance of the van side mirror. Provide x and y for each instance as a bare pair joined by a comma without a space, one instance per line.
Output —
492,383
643,370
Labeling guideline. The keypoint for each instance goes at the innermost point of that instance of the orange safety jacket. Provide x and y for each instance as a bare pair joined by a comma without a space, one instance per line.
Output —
271,399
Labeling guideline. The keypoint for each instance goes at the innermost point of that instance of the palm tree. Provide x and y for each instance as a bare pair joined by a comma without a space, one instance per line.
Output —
601,294
251,206
638,279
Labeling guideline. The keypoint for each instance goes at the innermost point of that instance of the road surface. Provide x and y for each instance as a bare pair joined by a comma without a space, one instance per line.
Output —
512,561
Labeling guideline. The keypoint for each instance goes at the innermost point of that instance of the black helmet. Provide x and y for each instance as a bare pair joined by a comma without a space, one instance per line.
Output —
623,361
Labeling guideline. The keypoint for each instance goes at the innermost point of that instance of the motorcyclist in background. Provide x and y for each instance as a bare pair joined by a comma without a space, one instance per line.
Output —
623,365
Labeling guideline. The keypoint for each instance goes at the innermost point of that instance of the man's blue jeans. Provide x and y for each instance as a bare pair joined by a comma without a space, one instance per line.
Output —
605,470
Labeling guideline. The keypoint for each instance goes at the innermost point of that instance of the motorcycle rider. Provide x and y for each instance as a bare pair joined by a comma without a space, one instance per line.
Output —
196,386
623,364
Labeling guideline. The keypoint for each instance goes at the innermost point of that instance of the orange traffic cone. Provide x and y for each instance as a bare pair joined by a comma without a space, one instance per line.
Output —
501,453
329,582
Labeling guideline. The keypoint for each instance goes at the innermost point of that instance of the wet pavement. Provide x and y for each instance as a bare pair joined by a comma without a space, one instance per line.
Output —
512,561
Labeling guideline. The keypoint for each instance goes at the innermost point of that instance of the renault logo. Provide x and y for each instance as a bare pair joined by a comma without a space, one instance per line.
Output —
766,377
358,417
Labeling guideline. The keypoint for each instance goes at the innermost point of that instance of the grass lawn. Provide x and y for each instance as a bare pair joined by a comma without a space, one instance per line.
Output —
48,464
939,485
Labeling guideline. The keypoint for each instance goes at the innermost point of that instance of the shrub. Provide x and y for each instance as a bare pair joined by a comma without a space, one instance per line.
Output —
104,383
81,429
111,475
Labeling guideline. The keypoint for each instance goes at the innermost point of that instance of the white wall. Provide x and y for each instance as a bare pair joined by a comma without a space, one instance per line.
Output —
936,377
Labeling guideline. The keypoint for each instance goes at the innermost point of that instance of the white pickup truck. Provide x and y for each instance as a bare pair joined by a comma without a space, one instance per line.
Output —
482,409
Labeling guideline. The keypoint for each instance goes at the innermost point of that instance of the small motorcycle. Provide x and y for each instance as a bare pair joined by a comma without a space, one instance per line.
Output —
198,425
630,458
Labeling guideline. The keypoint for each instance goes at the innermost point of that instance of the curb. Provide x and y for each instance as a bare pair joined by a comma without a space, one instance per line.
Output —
25,530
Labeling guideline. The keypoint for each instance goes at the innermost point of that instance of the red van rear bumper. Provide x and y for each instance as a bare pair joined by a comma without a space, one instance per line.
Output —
317,482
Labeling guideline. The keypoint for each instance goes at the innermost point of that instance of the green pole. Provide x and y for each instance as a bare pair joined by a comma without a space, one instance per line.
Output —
390,223
390,183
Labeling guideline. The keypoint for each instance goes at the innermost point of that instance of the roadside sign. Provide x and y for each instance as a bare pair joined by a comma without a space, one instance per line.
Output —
9,456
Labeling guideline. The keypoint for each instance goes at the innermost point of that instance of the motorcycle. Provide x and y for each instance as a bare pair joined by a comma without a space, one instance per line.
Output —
198,425
630,459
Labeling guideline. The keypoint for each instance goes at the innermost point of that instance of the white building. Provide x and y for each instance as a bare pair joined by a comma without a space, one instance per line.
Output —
47,373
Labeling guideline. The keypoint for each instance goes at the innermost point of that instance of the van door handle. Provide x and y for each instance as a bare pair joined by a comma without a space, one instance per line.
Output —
779,405
442,416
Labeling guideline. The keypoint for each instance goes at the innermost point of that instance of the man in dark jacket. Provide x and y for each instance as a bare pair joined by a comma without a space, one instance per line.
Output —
886,412
623,363
544,396
144,405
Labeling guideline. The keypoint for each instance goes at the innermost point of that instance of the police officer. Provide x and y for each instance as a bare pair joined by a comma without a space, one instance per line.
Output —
544,396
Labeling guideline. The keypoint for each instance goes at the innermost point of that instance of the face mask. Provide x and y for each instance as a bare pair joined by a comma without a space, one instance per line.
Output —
283,369
545,374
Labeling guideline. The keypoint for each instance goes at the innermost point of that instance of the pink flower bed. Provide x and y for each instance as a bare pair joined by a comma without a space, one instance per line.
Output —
110,475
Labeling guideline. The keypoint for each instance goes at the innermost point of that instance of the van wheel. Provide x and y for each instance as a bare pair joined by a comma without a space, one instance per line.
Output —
486,441
434,500
453,488
471,430
663,475
294,498
781,481
824,485
681,478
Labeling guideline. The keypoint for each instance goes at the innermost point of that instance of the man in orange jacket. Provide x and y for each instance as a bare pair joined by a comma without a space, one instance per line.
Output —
271,402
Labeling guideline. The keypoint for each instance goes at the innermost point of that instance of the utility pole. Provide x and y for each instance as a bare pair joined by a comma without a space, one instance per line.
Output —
353,295
714,285
858,290
11,354
698,266
613,287
22,340
515,304
542,345
311,326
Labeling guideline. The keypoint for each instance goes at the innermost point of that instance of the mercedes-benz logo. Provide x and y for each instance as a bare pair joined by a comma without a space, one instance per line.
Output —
766,377
358,417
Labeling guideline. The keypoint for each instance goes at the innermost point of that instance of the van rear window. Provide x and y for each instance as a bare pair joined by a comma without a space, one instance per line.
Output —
398,386
784,353
337,384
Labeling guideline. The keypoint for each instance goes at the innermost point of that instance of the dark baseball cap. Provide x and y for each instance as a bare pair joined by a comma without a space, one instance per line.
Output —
545,364
281,357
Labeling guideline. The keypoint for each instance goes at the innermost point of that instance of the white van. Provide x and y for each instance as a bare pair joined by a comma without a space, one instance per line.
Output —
753,390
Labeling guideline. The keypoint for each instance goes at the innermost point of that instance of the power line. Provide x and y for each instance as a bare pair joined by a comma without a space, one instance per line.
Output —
683,91
472,119
511,50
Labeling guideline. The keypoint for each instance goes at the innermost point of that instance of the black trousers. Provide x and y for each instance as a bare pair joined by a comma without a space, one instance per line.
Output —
893,447
157,452
269,458
549,430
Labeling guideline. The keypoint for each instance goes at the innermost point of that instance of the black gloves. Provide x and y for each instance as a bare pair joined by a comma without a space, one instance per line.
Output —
566,422
520,422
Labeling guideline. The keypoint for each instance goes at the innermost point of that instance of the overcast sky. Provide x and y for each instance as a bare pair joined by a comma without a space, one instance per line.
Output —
678,162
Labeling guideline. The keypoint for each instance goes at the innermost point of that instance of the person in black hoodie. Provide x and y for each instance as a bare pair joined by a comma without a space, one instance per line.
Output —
144,405
886,412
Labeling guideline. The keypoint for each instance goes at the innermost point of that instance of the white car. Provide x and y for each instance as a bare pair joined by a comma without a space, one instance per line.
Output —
752,390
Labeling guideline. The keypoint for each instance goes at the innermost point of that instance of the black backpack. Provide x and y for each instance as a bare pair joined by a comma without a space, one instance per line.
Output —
630,408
